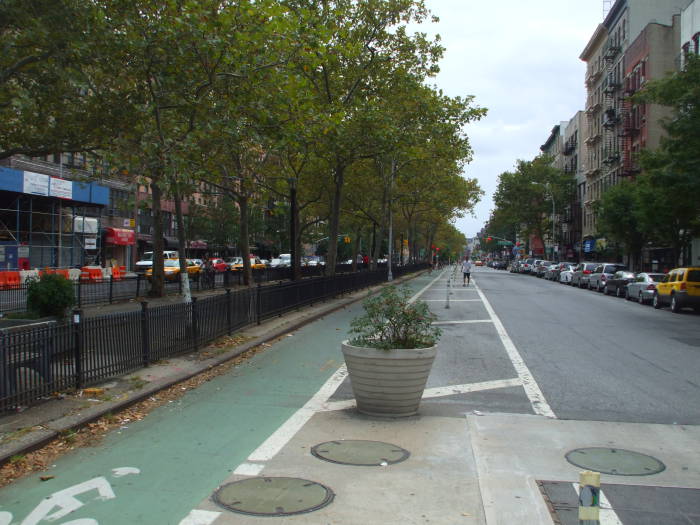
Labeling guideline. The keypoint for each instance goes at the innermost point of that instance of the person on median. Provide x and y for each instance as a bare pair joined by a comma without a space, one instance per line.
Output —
466,271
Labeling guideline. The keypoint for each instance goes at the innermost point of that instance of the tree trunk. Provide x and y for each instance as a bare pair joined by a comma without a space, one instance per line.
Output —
157,277
334,222
295,234
244,241
181,242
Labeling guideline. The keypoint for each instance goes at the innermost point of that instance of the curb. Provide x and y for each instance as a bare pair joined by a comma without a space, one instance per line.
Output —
37,439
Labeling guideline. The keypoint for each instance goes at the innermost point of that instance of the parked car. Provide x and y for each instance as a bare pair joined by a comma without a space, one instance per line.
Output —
541,268
566,274
617,284
478,263
255,264
555,269
171,269
679,289
514,266
219,264
643,286
233,261
526,265
146,262
581,274
601,273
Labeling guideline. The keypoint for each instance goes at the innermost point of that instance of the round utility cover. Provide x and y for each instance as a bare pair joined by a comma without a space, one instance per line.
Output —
616,461
273,496
360,453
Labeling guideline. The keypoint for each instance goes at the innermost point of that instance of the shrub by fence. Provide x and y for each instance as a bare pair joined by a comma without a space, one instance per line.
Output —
40,359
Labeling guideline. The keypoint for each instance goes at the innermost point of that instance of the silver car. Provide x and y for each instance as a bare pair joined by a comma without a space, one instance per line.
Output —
642,288
566,274
601,273
581,273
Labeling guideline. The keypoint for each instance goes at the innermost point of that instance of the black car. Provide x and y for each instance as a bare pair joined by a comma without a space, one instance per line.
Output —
618,283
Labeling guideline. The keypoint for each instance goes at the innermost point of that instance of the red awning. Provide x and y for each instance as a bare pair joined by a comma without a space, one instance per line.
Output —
119,236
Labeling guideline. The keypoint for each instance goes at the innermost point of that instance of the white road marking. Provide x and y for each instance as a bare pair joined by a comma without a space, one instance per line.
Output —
418,294
273,444
451,390
607,515
468,321
249,469
451,300
532,389
440,391
200,517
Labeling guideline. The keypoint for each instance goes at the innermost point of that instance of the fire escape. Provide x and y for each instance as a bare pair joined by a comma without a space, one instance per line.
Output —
611,117
630,128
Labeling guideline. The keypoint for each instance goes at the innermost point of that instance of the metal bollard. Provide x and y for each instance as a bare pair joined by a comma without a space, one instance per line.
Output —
589,498
449,284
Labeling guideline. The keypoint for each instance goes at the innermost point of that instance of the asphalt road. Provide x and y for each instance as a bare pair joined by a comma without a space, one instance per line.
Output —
598,357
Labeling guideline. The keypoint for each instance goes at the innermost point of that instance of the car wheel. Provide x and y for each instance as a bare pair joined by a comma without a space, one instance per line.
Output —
675,305
656,302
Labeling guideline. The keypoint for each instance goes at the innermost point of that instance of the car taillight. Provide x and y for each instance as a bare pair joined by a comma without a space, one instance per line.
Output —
586,271
651,287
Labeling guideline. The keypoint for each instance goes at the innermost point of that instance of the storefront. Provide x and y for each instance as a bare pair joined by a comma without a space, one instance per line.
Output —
117,246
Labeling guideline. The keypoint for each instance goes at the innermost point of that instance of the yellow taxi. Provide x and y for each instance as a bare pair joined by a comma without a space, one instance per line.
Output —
255,263
680,288
171,267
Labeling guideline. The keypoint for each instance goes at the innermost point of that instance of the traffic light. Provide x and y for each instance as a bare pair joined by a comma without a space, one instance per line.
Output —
489,239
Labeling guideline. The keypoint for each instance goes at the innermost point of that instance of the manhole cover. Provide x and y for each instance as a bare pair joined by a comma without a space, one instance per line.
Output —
273,496
615,461
359,452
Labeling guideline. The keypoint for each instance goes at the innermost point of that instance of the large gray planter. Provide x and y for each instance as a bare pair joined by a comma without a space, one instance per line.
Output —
388,382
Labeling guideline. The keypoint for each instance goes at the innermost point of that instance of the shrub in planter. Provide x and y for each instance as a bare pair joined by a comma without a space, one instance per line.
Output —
50,295
390,322
390,353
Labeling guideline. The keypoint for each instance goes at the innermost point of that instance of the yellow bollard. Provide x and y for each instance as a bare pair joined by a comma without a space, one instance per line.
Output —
589,498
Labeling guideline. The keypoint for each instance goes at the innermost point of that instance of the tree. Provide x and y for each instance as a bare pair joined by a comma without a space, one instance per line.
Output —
59,90
525,197
355,48
671,180
618,219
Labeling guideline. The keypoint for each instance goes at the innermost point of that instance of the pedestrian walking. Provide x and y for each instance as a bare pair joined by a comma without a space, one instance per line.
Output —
466,271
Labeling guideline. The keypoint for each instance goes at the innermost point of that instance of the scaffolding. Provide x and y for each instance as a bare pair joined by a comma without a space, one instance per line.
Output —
40,232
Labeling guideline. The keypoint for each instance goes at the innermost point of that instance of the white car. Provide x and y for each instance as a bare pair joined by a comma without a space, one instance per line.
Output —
566,275
146,262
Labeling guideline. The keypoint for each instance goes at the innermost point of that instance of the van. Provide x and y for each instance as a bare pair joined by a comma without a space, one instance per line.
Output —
146,262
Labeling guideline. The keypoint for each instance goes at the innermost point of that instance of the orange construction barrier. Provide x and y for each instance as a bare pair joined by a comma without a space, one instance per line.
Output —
2,279
64,272
116,273
93,274
12,279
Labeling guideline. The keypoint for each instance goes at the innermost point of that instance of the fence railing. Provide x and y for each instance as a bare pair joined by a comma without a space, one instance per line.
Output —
108,291
41,359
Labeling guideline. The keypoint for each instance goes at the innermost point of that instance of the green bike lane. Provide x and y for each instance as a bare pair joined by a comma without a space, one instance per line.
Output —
158,469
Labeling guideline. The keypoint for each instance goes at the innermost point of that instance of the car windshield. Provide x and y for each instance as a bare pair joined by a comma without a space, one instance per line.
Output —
148,256
170,263
694,276
656,277
626,275
590,266
612,268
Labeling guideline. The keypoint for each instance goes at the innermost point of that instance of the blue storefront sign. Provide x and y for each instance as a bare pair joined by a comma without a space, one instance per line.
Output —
589,245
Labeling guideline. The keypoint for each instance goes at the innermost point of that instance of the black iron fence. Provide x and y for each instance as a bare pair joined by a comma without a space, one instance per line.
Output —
107,291
39,360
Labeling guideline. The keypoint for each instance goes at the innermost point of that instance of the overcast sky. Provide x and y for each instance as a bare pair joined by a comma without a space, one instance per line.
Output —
519,58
